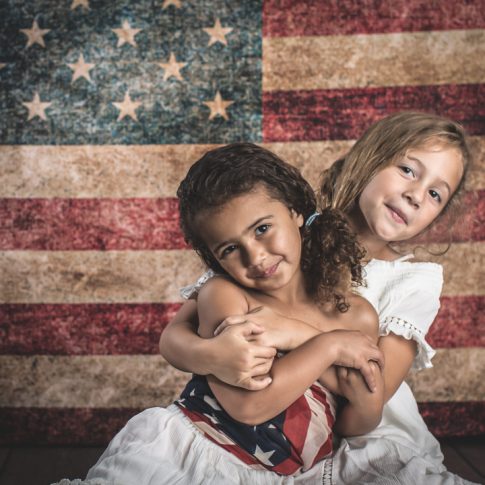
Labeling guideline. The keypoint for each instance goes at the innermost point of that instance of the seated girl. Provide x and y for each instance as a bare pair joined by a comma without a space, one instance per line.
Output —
243,210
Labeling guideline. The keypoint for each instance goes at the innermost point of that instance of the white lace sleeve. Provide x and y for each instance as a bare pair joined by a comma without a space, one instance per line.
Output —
409,331
191,291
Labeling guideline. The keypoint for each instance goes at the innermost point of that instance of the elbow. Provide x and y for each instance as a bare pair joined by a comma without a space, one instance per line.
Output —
248,413
162,343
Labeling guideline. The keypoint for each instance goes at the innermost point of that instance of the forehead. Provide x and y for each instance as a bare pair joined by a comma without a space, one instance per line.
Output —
237,214
441,161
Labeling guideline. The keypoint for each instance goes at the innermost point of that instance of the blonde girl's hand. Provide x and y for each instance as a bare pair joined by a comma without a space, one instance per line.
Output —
238,359
280,332
358,351
355,389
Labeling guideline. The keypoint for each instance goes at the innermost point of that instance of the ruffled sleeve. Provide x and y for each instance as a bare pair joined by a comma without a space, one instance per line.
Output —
191,291
413,307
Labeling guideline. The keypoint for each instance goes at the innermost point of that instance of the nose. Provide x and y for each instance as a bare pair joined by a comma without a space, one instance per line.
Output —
415,194
253,254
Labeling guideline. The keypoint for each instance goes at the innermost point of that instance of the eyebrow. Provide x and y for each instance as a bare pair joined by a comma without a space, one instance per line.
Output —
441,181
255,223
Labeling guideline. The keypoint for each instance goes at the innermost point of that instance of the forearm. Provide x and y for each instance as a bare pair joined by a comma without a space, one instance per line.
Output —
291,375
354,420
181,345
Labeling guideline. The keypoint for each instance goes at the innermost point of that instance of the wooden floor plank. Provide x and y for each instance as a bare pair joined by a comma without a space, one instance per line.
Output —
46,465
457,464
473,451
4,452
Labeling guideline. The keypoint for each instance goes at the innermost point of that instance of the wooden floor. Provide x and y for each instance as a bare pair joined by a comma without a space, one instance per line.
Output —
45,465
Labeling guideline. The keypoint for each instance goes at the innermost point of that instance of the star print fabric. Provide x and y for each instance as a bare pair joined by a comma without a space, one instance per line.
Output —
124,72
288,444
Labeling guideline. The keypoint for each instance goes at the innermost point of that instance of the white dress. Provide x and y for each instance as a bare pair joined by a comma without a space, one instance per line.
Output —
161,446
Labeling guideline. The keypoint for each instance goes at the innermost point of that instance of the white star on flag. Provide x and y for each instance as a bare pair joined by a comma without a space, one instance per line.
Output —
126,34
36,108
80,3
175,3
172,68
262,456
127,108
81,69
218,33
218,106
35,35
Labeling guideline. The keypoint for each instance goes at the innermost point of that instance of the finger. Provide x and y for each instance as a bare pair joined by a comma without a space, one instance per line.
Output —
261,369
234,320
264,352
369,378
257,383
378,358
342,372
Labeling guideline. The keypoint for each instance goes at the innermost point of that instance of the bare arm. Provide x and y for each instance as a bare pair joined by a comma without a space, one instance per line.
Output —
232,356
291,374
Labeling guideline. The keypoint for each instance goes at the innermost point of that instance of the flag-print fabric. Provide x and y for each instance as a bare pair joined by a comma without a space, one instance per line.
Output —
105,105
288,444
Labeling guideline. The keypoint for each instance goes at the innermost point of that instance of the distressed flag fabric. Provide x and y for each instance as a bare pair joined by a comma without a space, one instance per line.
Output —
105,105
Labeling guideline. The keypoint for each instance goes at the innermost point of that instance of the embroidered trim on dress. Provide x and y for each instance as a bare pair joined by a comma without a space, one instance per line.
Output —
327,472
403,323
405,329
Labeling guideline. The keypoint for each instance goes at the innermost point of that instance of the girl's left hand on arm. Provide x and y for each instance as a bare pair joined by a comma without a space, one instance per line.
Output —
363,411
354,388
280,332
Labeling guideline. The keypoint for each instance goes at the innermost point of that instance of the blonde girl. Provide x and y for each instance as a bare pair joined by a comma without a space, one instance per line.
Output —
400,177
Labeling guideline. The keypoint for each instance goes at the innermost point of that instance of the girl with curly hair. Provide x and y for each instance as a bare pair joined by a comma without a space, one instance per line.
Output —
252,219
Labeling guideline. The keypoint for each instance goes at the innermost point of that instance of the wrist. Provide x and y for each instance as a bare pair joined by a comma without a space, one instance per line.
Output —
205,355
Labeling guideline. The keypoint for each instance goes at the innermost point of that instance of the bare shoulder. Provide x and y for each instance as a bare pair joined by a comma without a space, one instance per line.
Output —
218,299
362,315
219,288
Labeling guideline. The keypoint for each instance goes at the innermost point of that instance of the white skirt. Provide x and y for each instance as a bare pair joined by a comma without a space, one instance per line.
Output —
161,446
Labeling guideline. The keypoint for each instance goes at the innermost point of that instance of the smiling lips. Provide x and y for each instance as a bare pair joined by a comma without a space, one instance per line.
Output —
267,273
397,215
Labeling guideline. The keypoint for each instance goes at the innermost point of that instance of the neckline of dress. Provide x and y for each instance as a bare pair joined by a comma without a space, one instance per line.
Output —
401,259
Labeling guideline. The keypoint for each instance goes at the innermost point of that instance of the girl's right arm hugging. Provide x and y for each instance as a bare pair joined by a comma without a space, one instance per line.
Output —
291,374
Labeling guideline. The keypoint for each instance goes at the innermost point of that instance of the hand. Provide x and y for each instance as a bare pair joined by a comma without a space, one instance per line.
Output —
238,360
355,389
358,351
280,332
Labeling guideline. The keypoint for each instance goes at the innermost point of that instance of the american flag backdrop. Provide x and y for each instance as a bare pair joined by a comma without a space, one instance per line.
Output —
103,107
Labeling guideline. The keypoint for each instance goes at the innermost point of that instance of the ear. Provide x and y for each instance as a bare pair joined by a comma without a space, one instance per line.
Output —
298,218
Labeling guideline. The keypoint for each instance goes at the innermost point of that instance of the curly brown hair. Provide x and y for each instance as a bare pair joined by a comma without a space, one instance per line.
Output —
331,255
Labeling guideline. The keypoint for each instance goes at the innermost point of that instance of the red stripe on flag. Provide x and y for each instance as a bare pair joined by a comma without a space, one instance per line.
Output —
344,114
83,329
140,224
90,224
129,329
348,17
96,426
459,323
454,418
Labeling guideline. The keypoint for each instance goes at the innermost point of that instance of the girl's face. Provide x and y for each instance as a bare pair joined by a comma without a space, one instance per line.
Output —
256,239
406,197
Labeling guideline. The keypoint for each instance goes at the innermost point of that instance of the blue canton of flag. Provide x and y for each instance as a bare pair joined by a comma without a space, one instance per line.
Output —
121,72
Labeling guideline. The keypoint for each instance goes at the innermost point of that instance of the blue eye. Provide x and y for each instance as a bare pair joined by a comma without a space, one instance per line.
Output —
435,195
261,229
